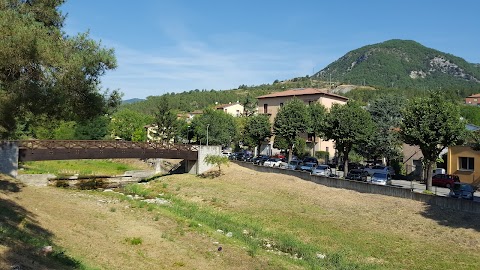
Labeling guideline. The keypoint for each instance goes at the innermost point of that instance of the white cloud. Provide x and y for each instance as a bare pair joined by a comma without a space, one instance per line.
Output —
208,65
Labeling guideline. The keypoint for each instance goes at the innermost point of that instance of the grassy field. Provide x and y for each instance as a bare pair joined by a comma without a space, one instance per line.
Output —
82,167
261,220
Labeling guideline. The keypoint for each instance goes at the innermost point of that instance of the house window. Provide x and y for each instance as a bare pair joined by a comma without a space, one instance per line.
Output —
310,102
265,108
466,163
281,104
238,113
474,99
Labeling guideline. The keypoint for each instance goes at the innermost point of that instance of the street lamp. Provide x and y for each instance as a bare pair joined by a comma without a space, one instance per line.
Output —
207,133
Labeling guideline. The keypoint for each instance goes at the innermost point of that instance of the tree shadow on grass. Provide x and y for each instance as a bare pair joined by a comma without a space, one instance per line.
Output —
21,238
453,218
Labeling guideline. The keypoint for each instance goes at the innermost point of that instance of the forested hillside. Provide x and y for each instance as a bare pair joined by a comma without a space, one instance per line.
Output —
402,64
199,99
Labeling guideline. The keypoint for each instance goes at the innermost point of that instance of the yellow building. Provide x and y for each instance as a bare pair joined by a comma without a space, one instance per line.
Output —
464,162
271,103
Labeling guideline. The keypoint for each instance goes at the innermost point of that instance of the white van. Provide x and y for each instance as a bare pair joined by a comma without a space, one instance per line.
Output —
438,171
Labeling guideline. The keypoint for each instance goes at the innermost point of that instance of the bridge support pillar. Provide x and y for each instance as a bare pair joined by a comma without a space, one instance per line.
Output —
199,166
9,158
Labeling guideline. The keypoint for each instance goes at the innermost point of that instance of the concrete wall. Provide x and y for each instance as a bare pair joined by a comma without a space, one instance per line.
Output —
9,158
199,166
443,202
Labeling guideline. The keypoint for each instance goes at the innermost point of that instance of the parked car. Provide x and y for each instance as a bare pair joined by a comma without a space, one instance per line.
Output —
310,160
381,178
308,166
323,170
259,160
294,165
357,174
380,169
351,166
445,180
462,191
272,162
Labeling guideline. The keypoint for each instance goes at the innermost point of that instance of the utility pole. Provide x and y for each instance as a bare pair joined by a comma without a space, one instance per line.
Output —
207,133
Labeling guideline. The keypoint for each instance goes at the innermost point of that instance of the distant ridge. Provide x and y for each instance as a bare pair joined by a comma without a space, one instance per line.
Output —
132,100
402,64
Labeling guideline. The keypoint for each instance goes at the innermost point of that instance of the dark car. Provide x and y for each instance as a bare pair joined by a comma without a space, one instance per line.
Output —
357,174
310,160
351,166
445,180
462,190
259,160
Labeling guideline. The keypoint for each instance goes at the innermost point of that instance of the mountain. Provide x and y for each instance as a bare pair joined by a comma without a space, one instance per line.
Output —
402,64
132,100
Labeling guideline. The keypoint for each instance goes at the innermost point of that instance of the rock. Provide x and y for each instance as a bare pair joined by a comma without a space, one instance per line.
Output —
229,234
129,196
108,190
46,250
219,248
321,256
245,232
215,243
220,231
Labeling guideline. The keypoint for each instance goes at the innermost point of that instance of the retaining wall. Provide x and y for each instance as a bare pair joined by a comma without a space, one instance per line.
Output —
443,202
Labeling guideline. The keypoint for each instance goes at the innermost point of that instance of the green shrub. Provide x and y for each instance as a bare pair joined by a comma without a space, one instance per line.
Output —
134,240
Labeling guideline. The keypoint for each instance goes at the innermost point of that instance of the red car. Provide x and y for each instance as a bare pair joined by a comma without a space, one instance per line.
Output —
445,180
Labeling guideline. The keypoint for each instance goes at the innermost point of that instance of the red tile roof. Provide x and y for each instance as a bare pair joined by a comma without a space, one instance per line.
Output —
221,106
302,92
474,96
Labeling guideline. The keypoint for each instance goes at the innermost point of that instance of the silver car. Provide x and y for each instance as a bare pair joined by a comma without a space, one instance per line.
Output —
323,170
380,178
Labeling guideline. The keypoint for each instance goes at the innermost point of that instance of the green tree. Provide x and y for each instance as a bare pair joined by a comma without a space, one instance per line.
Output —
217,161
386,112
280,143
219,125
166,120
92,129
257,129
317,115
432,123
293,118
44,71
249,105
348,125
126,123
471,114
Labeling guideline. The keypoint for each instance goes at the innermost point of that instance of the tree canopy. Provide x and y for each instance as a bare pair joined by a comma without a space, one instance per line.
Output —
291,120
257,129
433,123
44,71
348,125
216,126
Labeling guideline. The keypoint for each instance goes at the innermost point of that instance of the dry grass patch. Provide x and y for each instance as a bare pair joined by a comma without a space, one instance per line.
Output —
389,232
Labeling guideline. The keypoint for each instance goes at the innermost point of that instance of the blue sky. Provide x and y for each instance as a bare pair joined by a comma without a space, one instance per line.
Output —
179,45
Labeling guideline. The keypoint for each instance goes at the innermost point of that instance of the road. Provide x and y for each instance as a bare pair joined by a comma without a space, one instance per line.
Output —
419,187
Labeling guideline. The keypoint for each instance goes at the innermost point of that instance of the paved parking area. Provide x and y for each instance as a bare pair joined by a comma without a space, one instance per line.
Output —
419,187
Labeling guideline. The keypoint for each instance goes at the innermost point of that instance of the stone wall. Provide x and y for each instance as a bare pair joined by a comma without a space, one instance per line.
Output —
443,202
9,158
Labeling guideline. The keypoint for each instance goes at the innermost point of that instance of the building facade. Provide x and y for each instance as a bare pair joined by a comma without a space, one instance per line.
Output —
464,162
473,100
271,103
235,109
